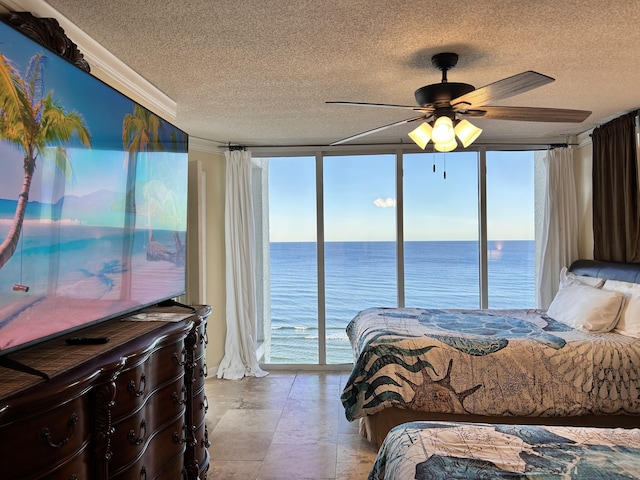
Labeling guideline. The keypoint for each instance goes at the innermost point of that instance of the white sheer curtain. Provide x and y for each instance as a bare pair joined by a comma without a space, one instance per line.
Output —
560,226
240,357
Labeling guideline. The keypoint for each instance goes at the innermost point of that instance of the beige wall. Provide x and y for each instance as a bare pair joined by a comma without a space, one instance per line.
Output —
205,250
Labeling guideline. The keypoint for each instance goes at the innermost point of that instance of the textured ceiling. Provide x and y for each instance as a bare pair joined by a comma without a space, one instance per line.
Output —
258,72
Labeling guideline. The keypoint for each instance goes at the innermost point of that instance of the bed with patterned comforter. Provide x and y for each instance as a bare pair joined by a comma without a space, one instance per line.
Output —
433,450
488,362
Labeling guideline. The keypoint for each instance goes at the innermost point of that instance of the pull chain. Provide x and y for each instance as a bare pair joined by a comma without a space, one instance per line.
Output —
444,163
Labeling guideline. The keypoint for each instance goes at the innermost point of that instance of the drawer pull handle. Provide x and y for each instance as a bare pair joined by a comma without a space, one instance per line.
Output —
184,396
143,473
143,433
203,370
204,404
182,360
133,389
46,433
191,442
205,441
177,439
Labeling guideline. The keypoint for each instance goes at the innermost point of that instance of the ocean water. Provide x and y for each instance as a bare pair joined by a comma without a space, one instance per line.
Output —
360,275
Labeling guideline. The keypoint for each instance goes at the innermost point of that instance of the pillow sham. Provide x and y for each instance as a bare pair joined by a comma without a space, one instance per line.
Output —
587,308
629,322
568,278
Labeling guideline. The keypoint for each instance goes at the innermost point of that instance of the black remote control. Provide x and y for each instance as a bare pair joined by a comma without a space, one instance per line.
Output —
86,340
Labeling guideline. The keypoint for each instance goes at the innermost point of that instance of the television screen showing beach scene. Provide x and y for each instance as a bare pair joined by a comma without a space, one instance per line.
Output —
93,198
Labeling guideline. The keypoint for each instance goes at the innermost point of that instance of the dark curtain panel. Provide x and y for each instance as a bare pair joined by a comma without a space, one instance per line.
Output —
616,198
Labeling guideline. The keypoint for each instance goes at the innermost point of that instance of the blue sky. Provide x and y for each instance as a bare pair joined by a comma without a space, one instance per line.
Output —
360,197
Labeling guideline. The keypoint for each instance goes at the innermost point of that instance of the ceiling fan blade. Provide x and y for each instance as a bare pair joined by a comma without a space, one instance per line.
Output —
384,105
379,129
505,88
531,114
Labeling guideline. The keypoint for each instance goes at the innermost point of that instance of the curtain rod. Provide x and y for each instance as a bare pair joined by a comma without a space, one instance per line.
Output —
235,148
499,144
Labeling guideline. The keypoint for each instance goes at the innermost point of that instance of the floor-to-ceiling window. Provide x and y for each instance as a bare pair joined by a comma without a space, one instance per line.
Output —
293,261
441,230
360,242
510,229
348,232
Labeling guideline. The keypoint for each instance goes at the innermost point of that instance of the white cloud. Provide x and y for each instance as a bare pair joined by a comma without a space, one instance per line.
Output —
385,203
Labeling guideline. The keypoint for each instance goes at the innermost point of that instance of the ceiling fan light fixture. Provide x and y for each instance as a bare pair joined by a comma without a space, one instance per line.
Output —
421,135
467,132
443,131
446,147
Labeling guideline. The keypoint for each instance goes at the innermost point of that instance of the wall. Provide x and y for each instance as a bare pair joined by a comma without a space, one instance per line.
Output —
205,244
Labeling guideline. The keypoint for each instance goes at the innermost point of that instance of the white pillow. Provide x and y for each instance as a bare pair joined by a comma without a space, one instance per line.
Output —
587,308
568,278
629,322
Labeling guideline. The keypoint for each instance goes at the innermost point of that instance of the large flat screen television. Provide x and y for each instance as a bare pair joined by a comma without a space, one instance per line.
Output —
93,198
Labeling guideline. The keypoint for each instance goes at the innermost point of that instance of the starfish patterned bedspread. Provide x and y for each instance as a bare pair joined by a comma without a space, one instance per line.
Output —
442,450
487,362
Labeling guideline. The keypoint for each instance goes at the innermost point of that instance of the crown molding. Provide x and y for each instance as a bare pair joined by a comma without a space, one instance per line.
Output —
104,65
584,139
203,145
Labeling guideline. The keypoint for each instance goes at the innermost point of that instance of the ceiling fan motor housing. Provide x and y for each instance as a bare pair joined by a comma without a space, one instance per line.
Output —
440,95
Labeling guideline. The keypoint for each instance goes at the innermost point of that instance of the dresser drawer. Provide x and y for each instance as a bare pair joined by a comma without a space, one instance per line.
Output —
199,405
44,439
201,448
200,372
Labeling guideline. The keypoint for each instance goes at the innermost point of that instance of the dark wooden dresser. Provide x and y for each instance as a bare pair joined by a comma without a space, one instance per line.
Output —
133,408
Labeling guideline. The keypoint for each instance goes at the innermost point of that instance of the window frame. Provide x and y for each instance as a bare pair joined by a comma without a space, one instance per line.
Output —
261,156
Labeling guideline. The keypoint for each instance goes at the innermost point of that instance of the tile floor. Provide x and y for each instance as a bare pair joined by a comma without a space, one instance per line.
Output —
285,426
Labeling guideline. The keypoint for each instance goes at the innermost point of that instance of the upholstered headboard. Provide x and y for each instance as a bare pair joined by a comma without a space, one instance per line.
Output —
625,272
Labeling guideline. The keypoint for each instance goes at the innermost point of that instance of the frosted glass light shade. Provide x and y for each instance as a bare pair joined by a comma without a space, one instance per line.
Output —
467,132
421,135
446,147
443,130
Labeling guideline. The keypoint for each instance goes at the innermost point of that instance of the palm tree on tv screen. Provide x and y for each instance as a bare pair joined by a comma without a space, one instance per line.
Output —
139,136
32,121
